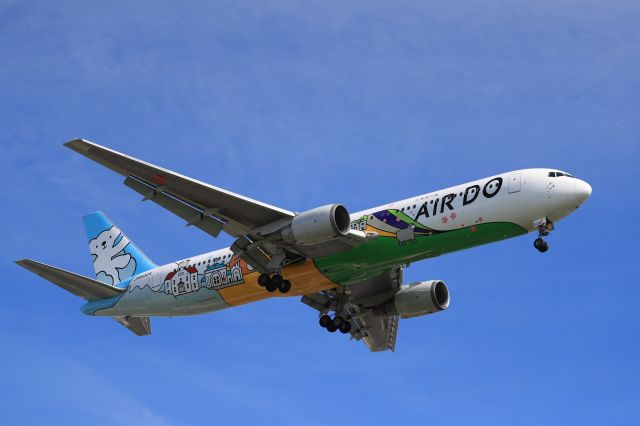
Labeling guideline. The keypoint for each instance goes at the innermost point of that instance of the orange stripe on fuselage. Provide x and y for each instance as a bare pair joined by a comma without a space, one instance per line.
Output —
304,276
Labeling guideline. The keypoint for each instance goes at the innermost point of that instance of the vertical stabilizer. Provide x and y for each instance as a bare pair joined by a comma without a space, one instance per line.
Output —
115,258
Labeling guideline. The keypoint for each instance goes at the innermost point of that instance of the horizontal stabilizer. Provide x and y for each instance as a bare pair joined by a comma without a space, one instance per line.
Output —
79,285
141,326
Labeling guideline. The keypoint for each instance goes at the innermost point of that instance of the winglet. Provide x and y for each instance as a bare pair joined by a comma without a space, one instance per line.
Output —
78,145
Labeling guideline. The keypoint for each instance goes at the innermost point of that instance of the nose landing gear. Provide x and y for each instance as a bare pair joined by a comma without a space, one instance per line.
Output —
545,227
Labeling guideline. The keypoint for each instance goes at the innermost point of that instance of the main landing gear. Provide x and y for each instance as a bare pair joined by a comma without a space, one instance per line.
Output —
544,229
273,283
335,323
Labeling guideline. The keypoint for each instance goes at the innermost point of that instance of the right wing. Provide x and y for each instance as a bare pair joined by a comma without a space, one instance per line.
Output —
357,303
205,206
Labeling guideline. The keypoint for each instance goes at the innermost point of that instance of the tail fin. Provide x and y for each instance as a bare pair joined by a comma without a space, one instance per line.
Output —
115,258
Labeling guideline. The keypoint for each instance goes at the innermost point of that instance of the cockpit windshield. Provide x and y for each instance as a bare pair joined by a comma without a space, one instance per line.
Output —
560,174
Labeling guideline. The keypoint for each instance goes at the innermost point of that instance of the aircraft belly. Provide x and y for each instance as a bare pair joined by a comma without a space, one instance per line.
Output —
145,302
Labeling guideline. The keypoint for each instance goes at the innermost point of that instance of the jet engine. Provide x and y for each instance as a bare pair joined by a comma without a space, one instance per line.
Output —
415,299
318,225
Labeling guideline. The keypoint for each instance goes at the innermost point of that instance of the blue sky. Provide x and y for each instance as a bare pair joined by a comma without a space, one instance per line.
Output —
301,104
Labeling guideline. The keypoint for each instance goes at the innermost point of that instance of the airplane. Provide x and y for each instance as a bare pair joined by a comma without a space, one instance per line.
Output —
348,267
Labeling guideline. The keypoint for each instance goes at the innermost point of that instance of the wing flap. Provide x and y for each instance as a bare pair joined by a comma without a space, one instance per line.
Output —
79,285
192,215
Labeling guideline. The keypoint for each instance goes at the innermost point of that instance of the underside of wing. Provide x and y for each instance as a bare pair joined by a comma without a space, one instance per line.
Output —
205,206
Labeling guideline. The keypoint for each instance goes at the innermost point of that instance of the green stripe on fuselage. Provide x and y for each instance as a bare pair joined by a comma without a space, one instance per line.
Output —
385,253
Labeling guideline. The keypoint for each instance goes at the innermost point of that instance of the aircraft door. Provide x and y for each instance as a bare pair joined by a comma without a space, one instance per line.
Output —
515,181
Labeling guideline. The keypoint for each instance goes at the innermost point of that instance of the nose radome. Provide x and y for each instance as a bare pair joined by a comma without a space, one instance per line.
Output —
583,191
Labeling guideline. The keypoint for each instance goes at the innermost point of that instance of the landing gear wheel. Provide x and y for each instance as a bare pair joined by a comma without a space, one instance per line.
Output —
541,245
345,327
325,321
263,280
271,286
274,283
285,286
331,328
337,321
276,280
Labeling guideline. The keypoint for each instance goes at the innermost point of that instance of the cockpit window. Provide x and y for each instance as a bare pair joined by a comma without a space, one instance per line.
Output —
559,174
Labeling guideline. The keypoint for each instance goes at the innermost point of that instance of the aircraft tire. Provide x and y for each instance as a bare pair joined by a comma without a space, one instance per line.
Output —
338,321
271,286
541,245
285,286
345,327
324,321
276,280
263,280
331,328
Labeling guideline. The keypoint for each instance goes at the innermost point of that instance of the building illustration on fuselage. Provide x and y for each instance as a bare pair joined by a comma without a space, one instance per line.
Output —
220,275
182,280
186,278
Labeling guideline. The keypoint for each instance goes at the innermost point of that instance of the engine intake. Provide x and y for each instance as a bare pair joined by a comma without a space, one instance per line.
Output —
415,299
318,225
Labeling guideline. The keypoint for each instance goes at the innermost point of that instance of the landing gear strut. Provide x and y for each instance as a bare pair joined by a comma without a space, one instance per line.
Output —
273,283
544,228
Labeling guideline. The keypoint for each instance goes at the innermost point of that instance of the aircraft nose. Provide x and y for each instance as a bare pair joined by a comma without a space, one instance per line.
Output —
582,190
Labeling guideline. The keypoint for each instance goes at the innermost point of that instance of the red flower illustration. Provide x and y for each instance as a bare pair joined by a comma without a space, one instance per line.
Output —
445,219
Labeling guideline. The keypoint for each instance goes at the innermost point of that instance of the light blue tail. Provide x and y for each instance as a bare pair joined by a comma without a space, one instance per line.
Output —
115,258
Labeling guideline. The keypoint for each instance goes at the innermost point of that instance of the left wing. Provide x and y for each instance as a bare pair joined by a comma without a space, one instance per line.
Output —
356,304
205,206
255,225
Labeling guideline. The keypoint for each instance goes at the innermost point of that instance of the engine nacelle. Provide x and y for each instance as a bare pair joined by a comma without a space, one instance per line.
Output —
416,299
318,225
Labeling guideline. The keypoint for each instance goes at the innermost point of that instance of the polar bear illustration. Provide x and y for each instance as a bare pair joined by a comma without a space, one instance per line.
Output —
111,263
